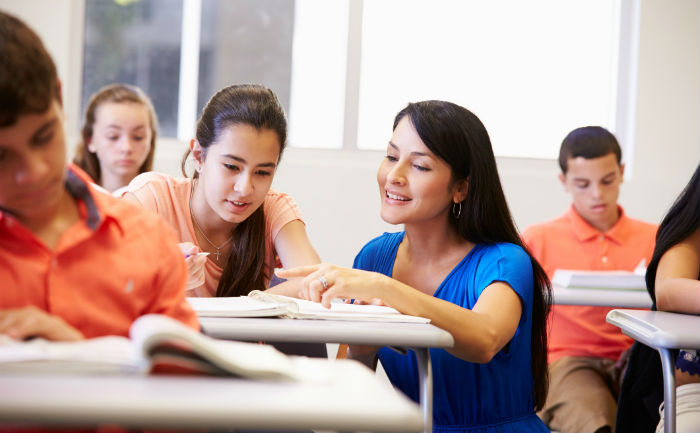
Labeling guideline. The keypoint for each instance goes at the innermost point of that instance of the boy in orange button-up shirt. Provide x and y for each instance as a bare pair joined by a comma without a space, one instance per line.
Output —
74,262
594,234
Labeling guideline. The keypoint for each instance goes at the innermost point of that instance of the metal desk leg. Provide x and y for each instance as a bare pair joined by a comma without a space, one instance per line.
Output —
425,372
667,366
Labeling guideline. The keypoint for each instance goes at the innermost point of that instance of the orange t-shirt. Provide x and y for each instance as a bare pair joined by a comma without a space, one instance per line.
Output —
169,198
116,263
569,242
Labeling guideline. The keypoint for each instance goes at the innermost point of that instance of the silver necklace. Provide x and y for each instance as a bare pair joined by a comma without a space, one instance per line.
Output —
201,232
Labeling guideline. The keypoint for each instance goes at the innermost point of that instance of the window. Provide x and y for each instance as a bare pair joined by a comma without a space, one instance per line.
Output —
147,43
531,71
138,43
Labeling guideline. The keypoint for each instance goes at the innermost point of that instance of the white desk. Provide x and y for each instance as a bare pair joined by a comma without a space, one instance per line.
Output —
663,331
601,297
417,336
354,400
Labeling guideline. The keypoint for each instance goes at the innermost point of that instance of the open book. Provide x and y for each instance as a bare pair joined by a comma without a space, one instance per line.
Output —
261,304
158,344
616,280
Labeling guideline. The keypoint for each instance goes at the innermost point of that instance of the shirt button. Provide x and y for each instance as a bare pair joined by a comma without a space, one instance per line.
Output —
601,237
54,262
604,259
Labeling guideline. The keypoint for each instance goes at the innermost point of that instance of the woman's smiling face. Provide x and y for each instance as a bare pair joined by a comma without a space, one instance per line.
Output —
415,185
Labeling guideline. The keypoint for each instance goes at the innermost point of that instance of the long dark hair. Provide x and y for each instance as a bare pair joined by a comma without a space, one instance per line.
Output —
114,93
257,106
680,222
458,137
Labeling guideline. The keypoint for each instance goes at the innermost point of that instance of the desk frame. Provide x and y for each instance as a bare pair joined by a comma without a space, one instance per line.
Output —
419,337
662,331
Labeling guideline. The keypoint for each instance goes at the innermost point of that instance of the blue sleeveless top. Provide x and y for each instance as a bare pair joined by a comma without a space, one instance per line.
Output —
470,397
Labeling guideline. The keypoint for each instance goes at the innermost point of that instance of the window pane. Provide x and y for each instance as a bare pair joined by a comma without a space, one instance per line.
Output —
246,41
137,43
531,70
317,109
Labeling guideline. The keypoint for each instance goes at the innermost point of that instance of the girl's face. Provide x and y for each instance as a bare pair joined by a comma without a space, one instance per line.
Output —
121,138
237,170
415,185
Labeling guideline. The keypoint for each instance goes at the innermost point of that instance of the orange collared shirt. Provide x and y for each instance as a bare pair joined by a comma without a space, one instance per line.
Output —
116,263
569,242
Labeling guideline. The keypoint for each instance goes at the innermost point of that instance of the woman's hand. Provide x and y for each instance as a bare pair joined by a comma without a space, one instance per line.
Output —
26,322
195,261
325,282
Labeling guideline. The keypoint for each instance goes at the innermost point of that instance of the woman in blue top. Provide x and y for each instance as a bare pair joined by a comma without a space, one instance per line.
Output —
460,263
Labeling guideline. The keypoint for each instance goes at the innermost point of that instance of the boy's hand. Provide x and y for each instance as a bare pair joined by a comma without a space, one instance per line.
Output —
26,322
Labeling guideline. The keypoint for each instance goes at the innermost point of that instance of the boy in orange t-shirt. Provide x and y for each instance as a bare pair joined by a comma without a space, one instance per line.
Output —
594,234
74,262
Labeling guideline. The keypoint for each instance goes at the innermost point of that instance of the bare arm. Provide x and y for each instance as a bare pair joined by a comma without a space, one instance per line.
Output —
294,249
677,285
479,333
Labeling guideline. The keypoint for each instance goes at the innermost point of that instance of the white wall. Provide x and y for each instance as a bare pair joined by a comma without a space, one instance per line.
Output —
337,191
59,24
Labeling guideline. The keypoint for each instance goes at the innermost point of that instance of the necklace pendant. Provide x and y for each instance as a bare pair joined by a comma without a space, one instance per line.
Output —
217,253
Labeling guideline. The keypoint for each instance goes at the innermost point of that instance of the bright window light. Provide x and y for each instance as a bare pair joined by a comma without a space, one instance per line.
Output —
531,71
318,74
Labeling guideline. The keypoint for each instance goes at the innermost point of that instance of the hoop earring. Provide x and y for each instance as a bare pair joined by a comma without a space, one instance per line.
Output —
457,210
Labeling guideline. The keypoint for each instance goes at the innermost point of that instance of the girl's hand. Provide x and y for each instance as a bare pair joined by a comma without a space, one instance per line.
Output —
195,261
27,322
325,282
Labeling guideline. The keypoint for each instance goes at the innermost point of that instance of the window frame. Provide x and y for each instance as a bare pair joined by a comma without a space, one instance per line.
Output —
625,99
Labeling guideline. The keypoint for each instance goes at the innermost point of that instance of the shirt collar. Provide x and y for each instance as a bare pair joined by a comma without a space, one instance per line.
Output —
99,209
619,233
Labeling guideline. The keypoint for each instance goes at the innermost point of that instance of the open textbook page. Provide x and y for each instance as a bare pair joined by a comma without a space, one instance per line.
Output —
616,280
303,309
158,344
239,306
262,304
94,356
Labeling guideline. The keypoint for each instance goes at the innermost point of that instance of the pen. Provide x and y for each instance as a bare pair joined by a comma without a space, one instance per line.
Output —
198,254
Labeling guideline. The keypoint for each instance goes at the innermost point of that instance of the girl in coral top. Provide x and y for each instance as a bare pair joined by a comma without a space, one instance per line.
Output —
227,208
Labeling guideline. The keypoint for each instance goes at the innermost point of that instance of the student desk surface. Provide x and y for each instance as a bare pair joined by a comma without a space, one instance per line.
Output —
601,297
663,331
355,400
417,336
